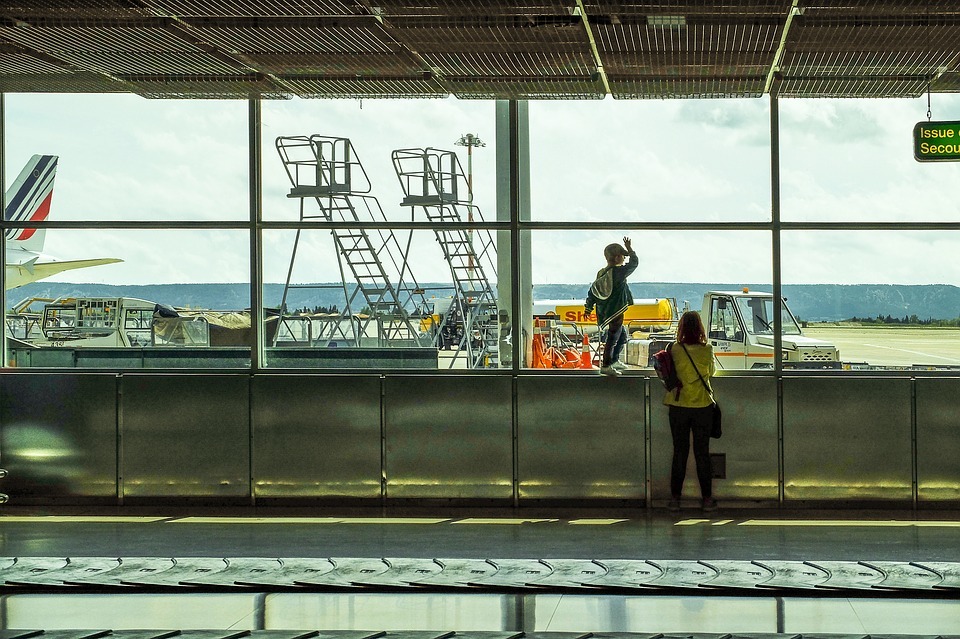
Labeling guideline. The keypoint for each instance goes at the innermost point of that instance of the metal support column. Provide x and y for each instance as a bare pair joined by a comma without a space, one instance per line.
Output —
3,189
257,359
256,235
777,282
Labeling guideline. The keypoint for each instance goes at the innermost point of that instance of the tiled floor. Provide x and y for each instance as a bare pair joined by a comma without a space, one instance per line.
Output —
638,534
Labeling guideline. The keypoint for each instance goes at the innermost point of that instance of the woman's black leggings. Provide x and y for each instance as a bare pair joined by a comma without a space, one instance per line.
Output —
684,421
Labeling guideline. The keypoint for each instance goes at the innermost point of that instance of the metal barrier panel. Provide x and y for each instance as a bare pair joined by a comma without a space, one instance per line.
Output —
847,438
448,437
938,440
316,436
353,357
581,437
58,436
185,436
749,443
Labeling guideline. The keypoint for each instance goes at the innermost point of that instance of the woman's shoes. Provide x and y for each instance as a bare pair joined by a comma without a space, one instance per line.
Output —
709,505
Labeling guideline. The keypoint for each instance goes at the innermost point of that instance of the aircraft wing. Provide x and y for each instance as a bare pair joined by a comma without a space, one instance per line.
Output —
33,270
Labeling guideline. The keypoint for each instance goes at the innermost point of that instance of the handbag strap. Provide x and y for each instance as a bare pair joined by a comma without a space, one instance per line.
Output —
702,381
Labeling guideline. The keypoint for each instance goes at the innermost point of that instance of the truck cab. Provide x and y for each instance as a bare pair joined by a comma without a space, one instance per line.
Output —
739,324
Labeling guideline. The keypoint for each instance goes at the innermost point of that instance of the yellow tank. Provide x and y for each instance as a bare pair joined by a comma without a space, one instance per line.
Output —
641,315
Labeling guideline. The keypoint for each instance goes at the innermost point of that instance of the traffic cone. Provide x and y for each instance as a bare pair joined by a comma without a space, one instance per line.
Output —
586,359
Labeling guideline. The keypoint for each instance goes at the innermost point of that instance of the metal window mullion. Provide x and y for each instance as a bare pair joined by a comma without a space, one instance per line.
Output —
256,235
777,280
516,328
3,244
256,277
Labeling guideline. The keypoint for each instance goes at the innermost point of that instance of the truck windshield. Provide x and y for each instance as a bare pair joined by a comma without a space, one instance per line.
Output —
757,314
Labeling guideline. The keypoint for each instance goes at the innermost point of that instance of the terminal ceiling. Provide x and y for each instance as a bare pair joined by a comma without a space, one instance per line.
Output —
486,49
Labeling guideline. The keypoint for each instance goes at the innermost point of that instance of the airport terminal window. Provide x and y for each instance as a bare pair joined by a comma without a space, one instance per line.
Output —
376,131
650,160
706,280
852,160
168,298
371,295
886,300
381,298
386,163
122,157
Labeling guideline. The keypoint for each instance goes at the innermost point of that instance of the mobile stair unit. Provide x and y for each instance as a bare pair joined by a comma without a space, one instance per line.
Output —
433,180
332,187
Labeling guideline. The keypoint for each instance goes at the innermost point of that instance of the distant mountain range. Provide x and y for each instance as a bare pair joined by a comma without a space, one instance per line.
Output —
811,302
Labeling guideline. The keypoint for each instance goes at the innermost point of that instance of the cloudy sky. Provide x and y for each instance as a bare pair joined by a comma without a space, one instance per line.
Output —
126,158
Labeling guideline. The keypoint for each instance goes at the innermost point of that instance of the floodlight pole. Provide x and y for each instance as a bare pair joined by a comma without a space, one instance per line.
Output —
470,140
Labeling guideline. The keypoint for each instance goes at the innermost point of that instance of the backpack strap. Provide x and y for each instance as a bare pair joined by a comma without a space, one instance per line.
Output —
604,281
705,384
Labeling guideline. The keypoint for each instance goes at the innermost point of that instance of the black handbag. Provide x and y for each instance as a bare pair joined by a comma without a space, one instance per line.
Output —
716,415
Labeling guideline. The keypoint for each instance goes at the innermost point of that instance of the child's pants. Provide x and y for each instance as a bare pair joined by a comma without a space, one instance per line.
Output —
616,339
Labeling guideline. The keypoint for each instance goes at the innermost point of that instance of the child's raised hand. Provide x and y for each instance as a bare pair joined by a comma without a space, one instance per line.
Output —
626,243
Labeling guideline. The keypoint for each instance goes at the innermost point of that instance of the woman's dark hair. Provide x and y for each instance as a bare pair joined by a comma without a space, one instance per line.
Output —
690,329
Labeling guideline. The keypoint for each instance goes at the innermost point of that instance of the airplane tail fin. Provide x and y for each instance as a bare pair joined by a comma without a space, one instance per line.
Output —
28,200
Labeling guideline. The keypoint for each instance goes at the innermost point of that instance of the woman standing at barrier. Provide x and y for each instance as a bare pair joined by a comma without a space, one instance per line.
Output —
691,409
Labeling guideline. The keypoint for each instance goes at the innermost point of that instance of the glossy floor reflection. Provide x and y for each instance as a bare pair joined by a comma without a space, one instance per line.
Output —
464,612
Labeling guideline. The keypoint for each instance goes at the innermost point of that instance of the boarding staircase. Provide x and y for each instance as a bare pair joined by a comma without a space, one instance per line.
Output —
433,180
327,171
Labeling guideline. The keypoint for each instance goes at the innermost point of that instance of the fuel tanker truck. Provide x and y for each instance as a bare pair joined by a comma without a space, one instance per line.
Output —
739,324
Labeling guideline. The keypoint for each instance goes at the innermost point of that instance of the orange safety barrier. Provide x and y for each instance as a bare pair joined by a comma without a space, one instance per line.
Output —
549,357
540,358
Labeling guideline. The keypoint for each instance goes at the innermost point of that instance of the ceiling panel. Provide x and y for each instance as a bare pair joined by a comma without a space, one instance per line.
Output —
946,83
851,87
889,55
359,88
60,82
253,8
628,88
748,8
360,64
471,8
211,87
72,9
695,50
533,88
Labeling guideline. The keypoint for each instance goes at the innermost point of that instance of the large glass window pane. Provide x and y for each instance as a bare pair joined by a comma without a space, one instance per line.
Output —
852,160
121,157
701,275
684,160
161,298
886,299
381,298
312,151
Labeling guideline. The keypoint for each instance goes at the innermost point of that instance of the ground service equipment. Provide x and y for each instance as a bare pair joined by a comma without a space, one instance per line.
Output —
739,324
434,181
327,171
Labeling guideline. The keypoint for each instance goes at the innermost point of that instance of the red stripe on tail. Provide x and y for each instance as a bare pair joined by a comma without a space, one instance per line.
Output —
40,214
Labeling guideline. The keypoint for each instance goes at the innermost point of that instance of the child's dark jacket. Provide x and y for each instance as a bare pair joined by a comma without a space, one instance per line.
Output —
619,297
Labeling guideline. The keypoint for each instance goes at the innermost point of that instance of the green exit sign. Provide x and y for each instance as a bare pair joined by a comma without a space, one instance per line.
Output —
936,141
